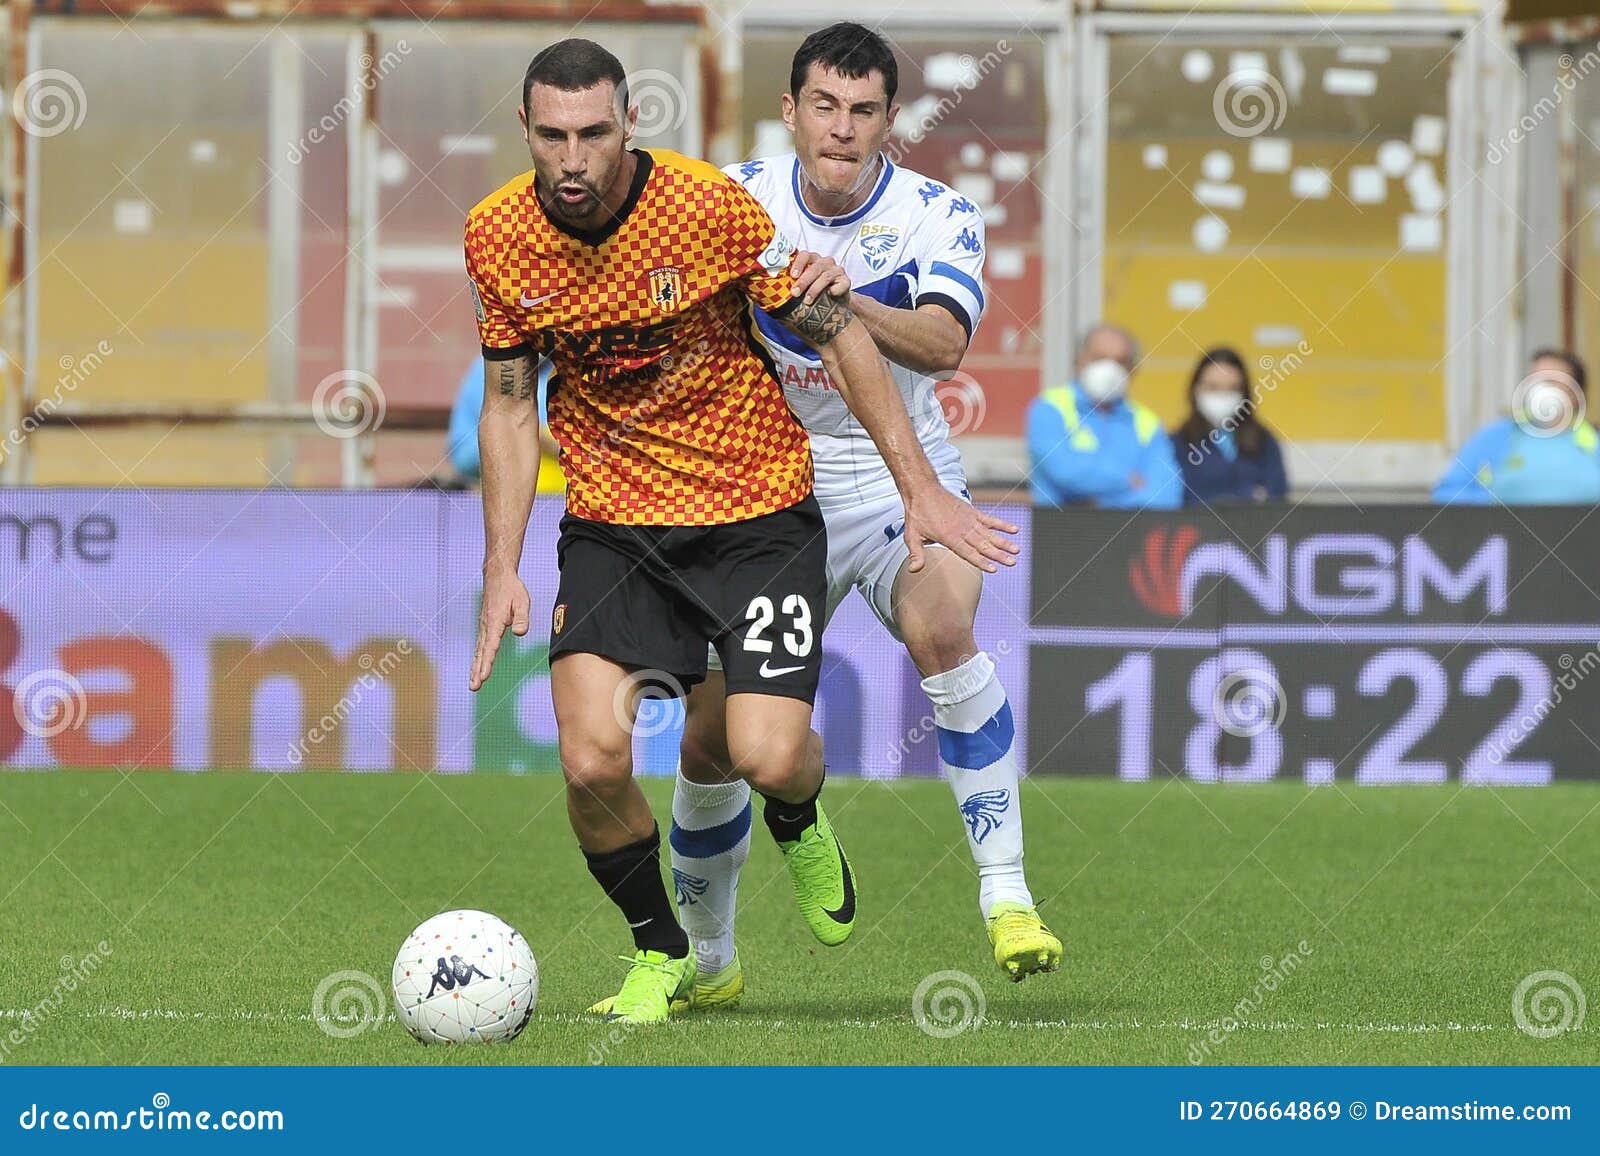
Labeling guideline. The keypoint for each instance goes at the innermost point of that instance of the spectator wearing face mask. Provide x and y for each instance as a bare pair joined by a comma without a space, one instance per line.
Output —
1089,443
1545,454
1226,454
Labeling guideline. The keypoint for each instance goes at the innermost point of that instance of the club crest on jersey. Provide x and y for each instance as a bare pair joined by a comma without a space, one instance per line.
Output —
877,242
666,291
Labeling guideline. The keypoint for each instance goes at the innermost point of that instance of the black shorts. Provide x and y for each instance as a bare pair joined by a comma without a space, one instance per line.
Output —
652,597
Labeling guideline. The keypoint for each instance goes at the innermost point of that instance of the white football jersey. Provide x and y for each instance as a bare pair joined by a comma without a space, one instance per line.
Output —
913,242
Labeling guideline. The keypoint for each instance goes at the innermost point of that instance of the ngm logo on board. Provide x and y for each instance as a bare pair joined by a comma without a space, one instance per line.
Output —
1174,571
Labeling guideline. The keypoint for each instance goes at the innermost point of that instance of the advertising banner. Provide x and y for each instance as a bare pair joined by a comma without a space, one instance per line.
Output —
289,630
286,630
1386,645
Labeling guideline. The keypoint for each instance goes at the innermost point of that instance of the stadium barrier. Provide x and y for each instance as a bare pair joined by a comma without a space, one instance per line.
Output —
285,630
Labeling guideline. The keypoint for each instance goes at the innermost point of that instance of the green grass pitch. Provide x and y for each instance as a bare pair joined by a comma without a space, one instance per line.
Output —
225,899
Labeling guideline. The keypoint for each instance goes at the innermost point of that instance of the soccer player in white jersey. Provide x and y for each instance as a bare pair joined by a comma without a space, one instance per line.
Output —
909,251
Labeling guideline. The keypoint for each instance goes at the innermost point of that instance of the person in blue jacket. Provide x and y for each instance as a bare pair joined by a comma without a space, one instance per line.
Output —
1089,443
1225,452
463,435
1545,454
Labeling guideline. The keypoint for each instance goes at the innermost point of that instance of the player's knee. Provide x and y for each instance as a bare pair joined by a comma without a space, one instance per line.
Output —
776,764
937,645
595,766
703,753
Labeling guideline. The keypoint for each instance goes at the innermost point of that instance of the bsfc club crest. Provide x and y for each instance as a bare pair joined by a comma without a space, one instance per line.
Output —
558,618
877,242
665,291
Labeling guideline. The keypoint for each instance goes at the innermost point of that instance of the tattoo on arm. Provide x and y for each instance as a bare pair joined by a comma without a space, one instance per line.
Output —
518,378
821,321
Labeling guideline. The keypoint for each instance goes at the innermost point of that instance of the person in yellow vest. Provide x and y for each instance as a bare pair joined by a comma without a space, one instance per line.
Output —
1545,454
464,430
1091,444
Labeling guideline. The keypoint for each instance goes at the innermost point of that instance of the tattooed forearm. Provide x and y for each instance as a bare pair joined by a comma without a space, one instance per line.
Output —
517,378
821,321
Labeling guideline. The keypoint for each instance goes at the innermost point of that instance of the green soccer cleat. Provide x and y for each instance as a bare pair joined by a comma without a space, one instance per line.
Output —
822,884
714,992
653,982
1022,943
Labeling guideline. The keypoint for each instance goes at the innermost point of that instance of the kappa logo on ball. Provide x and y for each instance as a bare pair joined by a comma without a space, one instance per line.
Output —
558,618
453,974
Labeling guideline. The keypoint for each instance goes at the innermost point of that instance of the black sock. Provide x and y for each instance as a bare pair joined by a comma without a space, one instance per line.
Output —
787,820
631,877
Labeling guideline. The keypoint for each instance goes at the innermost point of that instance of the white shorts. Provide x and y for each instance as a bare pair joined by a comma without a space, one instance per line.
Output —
867,547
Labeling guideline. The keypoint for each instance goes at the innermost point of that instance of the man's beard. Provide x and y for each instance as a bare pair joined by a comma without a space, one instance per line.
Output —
550,200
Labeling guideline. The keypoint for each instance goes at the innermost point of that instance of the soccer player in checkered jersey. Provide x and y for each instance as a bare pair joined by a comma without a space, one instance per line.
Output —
689,519
913,250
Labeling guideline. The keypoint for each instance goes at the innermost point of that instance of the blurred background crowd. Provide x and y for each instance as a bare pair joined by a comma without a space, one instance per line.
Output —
1244,251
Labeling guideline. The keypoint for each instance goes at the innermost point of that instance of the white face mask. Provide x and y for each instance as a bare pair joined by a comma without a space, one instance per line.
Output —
1104,380
1218,408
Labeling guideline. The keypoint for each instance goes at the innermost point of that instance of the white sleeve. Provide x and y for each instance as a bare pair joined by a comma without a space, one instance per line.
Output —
950,258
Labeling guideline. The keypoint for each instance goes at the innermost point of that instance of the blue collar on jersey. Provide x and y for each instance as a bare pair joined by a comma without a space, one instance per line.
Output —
850,218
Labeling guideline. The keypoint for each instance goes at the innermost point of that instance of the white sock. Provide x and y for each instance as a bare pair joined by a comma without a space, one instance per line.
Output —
710,841
975,731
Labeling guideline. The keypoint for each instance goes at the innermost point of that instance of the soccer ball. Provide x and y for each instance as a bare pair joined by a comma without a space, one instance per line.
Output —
465,977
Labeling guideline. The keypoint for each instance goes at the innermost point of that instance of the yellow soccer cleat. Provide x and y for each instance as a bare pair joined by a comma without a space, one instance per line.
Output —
716,992
652,984
1022,943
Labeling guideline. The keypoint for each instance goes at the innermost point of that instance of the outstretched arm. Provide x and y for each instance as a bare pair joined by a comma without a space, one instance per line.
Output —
854,365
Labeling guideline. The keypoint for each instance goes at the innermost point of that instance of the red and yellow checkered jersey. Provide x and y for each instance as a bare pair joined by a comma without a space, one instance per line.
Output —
664,405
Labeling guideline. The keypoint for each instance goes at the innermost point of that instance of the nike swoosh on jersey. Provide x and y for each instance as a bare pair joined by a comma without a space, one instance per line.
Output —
774,672
529,302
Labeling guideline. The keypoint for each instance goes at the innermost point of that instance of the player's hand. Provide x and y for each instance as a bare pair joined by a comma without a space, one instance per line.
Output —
505,603
813,275
937,515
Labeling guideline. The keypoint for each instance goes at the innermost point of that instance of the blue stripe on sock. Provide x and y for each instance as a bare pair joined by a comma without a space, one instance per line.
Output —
977,749
704,842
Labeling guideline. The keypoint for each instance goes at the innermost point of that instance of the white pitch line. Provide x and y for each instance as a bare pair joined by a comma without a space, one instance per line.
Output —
245,1015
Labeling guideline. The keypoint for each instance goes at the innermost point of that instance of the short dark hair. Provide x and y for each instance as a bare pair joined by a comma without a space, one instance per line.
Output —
1574,365
852,50
572,65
